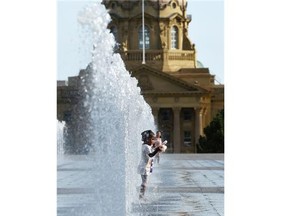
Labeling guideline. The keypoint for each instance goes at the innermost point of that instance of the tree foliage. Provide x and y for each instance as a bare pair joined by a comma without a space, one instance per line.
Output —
213,140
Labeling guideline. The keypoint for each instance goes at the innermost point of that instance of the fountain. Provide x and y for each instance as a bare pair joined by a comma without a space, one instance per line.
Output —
110,119
60,138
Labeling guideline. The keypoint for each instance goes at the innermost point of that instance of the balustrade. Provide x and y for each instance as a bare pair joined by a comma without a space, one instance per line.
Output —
135,55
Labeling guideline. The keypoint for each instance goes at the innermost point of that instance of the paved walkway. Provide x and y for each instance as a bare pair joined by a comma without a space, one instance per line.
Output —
181,185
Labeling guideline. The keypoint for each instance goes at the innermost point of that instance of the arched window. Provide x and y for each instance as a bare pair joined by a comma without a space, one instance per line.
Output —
174,37
146,37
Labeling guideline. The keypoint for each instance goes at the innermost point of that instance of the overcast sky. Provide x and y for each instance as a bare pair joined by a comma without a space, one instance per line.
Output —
206,30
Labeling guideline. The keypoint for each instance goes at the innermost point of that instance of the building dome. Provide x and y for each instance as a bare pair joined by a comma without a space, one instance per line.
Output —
199,64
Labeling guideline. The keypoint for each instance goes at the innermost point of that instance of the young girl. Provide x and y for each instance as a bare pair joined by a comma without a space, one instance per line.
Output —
145,165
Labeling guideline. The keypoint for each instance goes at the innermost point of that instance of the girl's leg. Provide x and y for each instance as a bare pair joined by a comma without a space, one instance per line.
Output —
143,185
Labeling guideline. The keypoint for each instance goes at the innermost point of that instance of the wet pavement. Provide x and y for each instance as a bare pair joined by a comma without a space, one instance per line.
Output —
182,184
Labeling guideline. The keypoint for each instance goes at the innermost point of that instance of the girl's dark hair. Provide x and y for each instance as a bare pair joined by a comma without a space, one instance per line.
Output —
146,135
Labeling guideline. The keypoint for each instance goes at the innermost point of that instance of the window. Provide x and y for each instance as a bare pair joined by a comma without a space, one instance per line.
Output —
165,114
146,37
187,114
174,5
187,138
174,37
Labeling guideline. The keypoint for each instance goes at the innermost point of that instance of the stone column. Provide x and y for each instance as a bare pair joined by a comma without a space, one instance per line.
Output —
198,125
204,115
155,111
176,126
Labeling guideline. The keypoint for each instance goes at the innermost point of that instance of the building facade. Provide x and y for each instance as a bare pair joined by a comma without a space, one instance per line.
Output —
181,92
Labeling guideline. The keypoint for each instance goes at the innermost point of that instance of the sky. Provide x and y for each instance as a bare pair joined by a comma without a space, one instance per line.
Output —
206,30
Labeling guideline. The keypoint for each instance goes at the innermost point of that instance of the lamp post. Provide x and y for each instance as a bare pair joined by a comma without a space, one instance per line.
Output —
143,33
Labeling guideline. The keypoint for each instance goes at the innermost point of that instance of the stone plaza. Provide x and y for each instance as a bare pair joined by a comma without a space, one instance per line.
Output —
180,185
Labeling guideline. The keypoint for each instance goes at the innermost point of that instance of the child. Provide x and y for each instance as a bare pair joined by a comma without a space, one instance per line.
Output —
145,165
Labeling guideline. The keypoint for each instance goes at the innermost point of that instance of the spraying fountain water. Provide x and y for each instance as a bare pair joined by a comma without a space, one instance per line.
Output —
60,138
110,118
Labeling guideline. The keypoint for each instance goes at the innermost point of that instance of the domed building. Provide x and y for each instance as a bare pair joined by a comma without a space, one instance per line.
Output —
180,90
165,30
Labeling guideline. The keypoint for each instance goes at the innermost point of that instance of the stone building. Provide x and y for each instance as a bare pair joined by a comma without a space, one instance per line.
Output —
180,90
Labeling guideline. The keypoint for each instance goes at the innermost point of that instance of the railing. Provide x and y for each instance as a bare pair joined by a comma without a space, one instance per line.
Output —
137,55
184,55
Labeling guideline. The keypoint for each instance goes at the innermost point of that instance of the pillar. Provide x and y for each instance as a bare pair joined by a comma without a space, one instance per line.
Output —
198,125
204,120
155,111
176,126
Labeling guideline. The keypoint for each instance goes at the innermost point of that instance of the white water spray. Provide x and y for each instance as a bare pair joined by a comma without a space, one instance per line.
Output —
112,117
60,138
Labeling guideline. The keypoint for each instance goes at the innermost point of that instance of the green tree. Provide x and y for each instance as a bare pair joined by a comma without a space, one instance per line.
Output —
213,140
